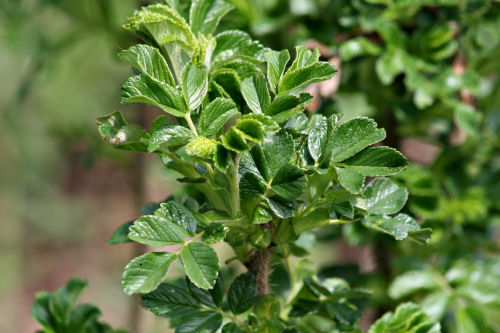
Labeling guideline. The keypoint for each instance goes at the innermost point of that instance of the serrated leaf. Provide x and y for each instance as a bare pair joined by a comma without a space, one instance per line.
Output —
205,15
169,136
202,147
215,115
242,293
411,282
206,297
235,43
353,136
141,89
298,78
234,140
149,61
177,213
201,264
289,182
318,139
251,129
222,158
120,235
115,130
400,227
156,231
351,180
267,123
383,196
345,313
143,274
170,301
304,57
339,208
276,63
408,316
261,215
231,328
284,107
377,161
283,208
255,92
161,25
194,85
200,321
278,150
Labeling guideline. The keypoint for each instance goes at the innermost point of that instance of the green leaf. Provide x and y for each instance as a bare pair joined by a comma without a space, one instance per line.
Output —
161,25
143,274
407,318
250,129
215,115
194,85
201,264
81,317
411,282
211,298
120,236
115,130
353,136
467,118
201,321
383,196
289,182
341,207
170,301
304,245
351,180
278,150
285,107
282,207
255,92
304,57
149,61
169,136
436,304
389,65
234,44
400,227
295,79
377,161
142,89
318,139
205,15
202,147
231,328
177,213
471,319
276,63
234,140
156,231
261,215
345,313
242,293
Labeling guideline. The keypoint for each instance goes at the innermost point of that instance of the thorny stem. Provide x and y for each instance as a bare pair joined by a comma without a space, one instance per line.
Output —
259,266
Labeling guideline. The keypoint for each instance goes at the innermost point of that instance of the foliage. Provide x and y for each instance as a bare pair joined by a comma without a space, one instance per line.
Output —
263,175
263,171
423,70
57,312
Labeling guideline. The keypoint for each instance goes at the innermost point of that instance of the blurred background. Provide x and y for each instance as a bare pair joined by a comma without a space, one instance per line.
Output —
427,71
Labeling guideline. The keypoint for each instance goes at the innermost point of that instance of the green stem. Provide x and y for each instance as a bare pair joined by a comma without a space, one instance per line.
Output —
235,186
190,123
